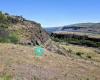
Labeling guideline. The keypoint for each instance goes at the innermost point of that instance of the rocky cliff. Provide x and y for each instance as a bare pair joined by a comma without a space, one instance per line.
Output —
18,30
21,30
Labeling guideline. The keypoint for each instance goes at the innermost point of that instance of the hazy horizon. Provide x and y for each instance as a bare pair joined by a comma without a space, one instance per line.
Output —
53,13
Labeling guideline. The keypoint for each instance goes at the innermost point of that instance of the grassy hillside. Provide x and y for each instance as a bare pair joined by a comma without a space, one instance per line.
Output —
87,53
16,29
19,63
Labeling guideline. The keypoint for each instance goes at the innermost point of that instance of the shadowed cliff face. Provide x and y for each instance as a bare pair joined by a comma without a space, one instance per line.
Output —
84,39
77,36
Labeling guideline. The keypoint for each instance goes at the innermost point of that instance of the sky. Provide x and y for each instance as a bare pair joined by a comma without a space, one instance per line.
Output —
54,13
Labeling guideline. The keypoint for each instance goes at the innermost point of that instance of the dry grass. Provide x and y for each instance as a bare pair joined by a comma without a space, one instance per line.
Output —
87,51
20,63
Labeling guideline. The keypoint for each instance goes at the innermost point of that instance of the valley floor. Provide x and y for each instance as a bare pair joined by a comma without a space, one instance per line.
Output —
19,63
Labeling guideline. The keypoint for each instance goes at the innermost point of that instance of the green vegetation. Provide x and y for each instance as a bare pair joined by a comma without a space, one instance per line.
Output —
6,19
78,41
5,23
79,54
3,26
11,38
35,78
69,51
89,57
6,77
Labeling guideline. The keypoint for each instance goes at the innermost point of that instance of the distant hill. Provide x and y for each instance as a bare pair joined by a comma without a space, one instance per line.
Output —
83,24
51,29
80,27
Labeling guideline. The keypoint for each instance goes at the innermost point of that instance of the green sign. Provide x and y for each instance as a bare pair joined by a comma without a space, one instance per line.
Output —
39,51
